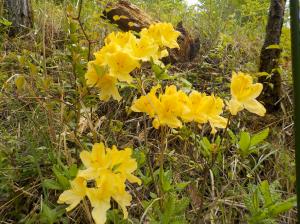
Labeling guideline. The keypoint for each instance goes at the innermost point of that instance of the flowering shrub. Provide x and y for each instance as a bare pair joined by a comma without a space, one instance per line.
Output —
124,52
108,169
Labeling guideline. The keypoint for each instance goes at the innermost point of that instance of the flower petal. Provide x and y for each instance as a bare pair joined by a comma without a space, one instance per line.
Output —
255,107
71,198
99,212
86,158
255,90
123,199
234,106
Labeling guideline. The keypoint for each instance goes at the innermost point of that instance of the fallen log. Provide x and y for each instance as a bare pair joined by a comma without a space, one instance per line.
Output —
128,16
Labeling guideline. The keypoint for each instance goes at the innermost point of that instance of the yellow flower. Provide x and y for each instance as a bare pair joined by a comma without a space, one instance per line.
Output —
148,104
107,169
196,105
122,40
244,94
213,109
108,88
145,49
75,194
101,158
205,109
97,76
121,64
171,107
122,163
91,76
163,34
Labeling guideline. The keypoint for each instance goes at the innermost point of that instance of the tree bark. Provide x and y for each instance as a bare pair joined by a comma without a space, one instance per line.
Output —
19,12
269,57
129,13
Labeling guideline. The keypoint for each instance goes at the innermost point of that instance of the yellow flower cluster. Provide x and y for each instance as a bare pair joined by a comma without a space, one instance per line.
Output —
174,107
106,172
123,52
244,94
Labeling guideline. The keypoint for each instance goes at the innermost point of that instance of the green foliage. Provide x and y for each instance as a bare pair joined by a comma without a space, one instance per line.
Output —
265,204
247,144
172,210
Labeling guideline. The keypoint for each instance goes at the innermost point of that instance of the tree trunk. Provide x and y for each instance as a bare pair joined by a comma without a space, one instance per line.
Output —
129,13
19,12
269,58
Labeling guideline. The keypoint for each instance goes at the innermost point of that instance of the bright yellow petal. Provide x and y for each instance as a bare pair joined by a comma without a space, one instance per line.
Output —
108,88
255,107
89,173
123,199
234,106
86,158
71,198
256,90
98,152
75,194
133,179
99,212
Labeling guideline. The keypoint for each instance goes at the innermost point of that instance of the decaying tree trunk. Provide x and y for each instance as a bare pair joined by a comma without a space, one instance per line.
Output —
19,12
270,55
130,14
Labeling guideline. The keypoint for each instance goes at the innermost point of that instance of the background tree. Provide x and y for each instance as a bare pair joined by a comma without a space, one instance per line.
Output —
269,58
19,12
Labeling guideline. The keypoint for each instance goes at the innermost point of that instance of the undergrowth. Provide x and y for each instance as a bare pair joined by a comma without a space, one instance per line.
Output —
48,115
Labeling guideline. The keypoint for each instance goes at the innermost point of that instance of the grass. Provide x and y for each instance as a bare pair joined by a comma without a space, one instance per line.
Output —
49,120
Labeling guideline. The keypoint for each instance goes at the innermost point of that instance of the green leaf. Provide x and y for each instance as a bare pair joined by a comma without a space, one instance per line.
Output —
100,70
160,73
63,181
259,137
284,206
169,209
73,170
244,142
166,181
181,186
5,22
52,184
49,215
266,193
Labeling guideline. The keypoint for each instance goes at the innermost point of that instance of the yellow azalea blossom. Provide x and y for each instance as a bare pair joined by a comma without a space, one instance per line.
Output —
163,34
91,76
170,109
121,64
196,105
213,109
75,194
107,169
244,94
118,161
108,88
120,41
122,163
205,109
148,103
104,82
145,49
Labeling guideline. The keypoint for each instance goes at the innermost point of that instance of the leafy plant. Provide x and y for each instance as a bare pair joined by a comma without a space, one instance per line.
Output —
265,204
